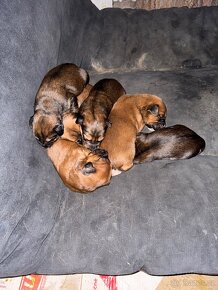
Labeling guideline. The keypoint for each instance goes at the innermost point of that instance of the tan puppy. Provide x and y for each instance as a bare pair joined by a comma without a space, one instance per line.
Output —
94,111
53,99
175,142
128,117
79,168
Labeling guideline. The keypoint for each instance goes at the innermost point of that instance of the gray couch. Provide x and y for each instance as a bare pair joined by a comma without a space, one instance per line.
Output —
161,217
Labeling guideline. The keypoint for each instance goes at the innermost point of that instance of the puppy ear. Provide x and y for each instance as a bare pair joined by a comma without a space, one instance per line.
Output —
153,109
79,119
59,129
88,168
108,123
74,108
31,121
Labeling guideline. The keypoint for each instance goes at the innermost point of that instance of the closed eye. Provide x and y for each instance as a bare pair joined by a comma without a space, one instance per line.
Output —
100,139
87,139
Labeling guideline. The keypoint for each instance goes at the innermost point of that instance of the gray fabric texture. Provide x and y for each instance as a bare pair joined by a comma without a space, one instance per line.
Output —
160,217
116,39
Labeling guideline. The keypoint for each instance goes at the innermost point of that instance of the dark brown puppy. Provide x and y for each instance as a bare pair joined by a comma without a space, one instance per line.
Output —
53,99
175,142
128,117
94,111
80,169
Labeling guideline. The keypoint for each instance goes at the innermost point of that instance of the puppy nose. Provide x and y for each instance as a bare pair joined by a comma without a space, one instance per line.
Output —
93,145
162,121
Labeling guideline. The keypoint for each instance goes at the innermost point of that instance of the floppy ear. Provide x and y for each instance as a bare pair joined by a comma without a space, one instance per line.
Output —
153,109
59,129
88,168
31,121
79,119
74,108
108,123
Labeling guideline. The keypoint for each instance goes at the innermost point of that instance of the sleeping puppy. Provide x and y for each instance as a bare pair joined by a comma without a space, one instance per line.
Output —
128,117
80,169
94,111
175,142
53,99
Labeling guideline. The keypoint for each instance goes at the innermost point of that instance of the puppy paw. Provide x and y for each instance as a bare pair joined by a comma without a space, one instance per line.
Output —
116,172
101,153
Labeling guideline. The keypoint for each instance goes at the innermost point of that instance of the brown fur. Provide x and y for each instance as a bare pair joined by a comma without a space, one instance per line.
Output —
128,117
53,99
175,142
79,168
93,113
84,94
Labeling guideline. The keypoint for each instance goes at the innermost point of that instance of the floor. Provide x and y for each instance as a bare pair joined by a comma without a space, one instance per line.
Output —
137,281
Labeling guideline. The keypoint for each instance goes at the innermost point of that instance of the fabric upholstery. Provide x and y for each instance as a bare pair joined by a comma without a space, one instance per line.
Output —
159,217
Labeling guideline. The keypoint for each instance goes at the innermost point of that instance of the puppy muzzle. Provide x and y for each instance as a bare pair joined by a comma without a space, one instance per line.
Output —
47,144
91,145
160,124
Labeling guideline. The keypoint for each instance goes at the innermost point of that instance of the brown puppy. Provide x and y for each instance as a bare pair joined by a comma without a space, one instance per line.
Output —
128,117
94,111
53,99
79,168
175,142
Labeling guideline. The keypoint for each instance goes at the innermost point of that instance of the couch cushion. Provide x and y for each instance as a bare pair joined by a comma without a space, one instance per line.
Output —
160,217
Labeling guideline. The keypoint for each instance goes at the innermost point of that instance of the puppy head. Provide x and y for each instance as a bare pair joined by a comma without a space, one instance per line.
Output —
92,129
92,170
154,113
80,169
97,170
47,128
91,161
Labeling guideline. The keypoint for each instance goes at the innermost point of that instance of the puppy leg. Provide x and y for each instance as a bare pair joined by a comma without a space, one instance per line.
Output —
143,157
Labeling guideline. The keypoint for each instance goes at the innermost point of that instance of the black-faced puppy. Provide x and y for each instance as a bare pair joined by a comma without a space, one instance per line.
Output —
128,117
53,99
175,142
94,111
80,169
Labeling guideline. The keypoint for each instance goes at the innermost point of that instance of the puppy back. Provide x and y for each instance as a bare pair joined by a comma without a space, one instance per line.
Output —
103,95
175,142
63,79
111,87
